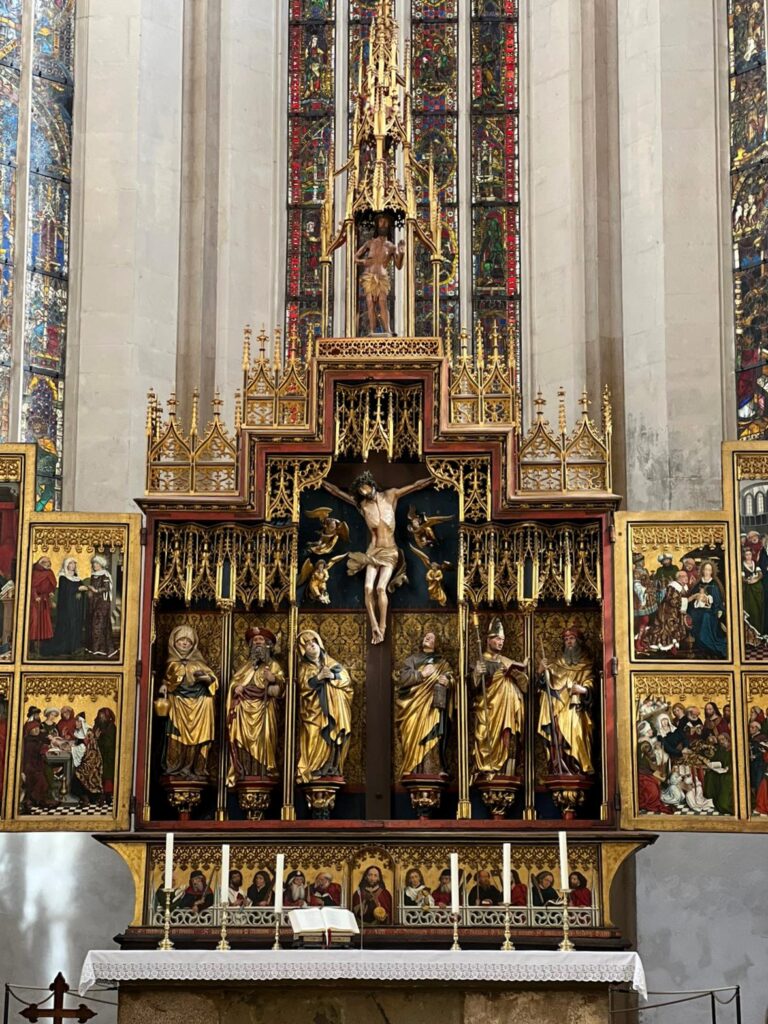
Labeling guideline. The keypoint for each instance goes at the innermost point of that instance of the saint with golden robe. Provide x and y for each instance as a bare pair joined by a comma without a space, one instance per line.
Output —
499,709
565,722
255,691
325,710
424,708
188,685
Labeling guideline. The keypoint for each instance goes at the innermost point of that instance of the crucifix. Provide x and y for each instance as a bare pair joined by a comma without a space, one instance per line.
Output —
59,987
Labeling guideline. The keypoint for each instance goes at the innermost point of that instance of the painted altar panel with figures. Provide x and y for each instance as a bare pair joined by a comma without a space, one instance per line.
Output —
692,638
70,597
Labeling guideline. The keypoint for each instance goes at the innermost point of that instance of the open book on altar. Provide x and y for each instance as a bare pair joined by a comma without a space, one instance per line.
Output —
315,926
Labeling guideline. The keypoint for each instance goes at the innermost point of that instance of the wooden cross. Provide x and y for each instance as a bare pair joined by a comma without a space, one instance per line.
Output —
58,1013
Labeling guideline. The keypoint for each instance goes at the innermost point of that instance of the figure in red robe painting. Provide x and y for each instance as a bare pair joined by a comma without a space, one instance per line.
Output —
42,587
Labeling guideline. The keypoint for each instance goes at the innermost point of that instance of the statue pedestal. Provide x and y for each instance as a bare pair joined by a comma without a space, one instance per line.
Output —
321,795
568,792
499,793
183,794
254,793
425,792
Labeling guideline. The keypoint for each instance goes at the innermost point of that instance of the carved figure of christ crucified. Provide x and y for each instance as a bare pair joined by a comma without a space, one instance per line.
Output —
383,561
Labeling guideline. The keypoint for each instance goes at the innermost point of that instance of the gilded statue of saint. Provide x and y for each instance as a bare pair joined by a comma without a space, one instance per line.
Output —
424,708
255,691
565,722
189,685
383,561
499,709
376,255
325,710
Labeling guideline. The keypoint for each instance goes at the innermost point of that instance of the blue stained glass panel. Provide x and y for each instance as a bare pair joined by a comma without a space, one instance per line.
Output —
48,225
51,131
10,33
41,424
9,115
7,213
54,39
46,323
6,322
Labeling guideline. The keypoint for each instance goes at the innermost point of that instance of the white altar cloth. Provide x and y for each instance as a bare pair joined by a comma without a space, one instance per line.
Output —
541,966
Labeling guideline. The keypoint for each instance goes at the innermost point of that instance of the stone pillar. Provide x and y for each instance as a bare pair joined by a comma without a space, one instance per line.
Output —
125,242
570,207
674,247
252,133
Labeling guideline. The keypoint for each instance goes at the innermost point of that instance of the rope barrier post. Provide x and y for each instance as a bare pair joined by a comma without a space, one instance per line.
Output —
6,1003
713,1007
738,1004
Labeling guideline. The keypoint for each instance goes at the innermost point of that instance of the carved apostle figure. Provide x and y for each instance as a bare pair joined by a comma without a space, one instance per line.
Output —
424,708
255,691
499,710
325,710
189,685
565,722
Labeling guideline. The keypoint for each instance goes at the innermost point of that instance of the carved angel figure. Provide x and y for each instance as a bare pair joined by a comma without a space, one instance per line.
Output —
330,531
318,573
434,576
421,527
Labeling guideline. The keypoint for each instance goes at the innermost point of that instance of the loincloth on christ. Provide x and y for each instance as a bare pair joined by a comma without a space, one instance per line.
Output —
375,286
380,558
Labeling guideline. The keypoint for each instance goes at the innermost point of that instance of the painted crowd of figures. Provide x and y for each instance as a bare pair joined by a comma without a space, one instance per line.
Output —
372,902
679,609
71,617
684,758
67,762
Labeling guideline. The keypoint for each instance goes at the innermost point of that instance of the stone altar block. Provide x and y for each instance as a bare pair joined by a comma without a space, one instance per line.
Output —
348,987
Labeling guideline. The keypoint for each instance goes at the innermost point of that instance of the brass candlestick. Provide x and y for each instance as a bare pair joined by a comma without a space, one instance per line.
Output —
507,944
222,943
276,944
455,919
165,942
566,943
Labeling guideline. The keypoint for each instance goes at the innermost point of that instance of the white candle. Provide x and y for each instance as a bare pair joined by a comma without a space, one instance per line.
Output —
279,871
168,860
506,879
454,883
224,874
564,872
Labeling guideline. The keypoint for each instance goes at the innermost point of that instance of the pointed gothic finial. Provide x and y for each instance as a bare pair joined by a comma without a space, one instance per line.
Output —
464,343
584,403
561,420
246,348
238,411
293,341
195,412
511,343
277,349
151,412
479,344
540,402
495,340
172,407
607,410
449,338
262,339
217,405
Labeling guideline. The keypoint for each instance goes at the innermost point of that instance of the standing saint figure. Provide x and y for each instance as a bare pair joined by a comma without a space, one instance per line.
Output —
424,708
375,255
325,710
565,722
499,710
98,609
254,692
70,610
189,684
383,562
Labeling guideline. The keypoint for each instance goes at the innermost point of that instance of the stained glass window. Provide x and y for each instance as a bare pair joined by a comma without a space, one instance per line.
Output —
435,88
494,158
749,193
311,132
